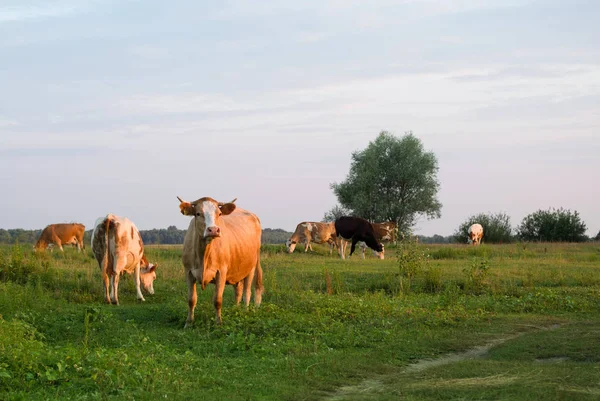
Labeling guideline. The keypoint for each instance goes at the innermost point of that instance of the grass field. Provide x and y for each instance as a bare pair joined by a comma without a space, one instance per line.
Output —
504,322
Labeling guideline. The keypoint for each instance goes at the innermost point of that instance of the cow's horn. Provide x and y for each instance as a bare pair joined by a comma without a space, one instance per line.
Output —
180,200
222,203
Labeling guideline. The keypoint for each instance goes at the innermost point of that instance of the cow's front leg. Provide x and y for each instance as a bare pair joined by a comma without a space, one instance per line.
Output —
354,242
136,280
218,295
192,297
306,246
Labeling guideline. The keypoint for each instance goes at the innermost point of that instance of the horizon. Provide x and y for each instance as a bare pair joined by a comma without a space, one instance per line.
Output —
119,107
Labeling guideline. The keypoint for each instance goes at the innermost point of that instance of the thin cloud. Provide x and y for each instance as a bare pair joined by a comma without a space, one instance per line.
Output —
32,12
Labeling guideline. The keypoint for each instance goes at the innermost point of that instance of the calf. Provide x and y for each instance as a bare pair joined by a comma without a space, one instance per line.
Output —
355,229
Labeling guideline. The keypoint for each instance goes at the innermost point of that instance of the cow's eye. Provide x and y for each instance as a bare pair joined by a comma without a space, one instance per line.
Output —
198,214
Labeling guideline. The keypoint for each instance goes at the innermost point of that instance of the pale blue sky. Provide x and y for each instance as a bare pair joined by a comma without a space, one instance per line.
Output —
113,106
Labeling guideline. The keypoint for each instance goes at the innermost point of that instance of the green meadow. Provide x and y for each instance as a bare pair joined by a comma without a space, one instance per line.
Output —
438,322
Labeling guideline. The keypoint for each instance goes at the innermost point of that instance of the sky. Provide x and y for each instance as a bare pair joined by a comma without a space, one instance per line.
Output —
119,106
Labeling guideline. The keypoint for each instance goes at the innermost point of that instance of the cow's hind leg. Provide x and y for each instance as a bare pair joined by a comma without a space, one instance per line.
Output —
248,286
114,288
192,297
106,281
239,289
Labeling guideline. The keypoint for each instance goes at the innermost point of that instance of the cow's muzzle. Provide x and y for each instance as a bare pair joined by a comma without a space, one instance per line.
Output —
212,232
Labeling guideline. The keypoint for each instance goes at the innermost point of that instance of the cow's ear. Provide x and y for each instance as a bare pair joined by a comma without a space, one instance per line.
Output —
186,208
228,208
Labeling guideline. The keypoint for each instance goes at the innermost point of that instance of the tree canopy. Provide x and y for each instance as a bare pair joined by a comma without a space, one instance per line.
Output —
496,228
393,179
334,213
552,225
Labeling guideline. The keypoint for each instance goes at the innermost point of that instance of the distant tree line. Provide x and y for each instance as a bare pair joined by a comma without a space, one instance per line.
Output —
552,225
18,235
168,236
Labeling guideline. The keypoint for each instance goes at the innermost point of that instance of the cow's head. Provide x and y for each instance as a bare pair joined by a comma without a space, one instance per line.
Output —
381,255
206,212
40,244
290,245
147,274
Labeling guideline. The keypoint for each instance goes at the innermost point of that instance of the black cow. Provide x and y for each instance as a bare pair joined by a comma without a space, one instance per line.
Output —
355,229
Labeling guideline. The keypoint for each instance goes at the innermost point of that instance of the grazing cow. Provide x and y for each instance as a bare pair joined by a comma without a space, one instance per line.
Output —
221,246
355,229
118,247
384,232
62,234
475,234
318,233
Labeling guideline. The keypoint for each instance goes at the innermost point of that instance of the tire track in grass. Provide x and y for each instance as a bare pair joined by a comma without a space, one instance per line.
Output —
373,386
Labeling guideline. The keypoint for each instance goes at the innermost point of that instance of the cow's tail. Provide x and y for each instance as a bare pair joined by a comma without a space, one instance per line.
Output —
109,224
258,282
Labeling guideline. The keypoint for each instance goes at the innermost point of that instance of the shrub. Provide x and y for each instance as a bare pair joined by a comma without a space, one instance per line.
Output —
475,275
16,267
411,259
552,225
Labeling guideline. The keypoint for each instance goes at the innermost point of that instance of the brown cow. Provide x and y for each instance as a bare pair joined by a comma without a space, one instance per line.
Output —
221,246
475,234
118,247
62,234
316,232
355,229
384,232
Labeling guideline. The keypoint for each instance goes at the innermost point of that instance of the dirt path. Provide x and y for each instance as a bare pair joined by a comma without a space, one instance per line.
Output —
373,386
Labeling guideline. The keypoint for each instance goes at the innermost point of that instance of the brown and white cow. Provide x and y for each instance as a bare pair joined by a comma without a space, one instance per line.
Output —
61,234
475,234
221,246
384,232
307,232
355,229
118,247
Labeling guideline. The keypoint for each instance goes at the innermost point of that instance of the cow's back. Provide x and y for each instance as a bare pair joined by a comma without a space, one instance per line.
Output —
347,227
323,232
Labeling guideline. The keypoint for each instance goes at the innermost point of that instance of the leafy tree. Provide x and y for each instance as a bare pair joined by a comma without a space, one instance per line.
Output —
496,228
597,237
393,179
334,213
552,225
